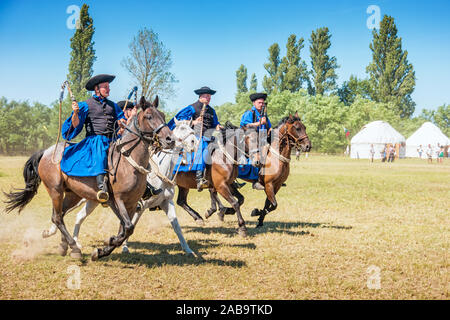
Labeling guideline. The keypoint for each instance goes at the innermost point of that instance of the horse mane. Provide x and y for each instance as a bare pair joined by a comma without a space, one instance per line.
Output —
287,120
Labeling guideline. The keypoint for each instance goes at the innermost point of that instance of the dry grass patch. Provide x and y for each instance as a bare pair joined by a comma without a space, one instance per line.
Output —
336,218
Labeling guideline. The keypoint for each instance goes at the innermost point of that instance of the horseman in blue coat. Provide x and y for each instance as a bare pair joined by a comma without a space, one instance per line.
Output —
255,118
197,161
89,158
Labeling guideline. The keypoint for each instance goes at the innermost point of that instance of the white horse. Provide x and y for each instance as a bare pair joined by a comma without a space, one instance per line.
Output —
161,176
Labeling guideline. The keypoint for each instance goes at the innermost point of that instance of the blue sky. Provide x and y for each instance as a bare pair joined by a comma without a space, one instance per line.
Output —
209,40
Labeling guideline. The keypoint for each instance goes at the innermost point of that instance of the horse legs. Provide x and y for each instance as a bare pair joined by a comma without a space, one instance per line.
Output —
181,201
121,212
81,216
213,208
134,220
169,208
60,206
53,228
270,205
225,191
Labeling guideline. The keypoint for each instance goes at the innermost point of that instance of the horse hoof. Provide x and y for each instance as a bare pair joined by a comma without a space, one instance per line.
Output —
94,255
242,232
200,222
230,211
79,246
208,214
62,250
45,234
259,225
221,216
75,254
125,250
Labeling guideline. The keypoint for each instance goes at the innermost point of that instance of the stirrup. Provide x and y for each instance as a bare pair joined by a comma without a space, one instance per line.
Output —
102,196
203,184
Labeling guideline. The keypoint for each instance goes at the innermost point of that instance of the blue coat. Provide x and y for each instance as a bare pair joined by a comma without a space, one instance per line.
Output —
89,157
247,118
199,159
247,171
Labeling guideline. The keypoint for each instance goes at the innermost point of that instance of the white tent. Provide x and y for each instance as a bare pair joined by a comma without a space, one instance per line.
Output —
377,133
427,134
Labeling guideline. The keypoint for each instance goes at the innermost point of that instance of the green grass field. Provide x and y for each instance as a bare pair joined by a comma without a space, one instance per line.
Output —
344,229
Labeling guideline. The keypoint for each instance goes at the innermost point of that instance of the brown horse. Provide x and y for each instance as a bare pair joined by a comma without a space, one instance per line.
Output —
127,178
220,175
290,132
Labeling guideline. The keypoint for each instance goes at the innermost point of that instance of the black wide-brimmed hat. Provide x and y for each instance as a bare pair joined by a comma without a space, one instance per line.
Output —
100,78
121,104
256,96
204,90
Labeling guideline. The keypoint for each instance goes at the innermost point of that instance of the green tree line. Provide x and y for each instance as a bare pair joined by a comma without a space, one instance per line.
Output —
325,117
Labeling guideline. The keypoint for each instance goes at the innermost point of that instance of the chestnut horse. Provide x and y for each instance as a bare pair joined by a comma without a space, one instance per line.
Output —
127,178
220,175
290,132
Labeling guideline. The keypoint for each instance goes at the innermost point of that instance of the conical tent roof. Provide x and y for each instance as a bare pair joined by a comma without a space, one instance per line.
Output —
427,134
377,133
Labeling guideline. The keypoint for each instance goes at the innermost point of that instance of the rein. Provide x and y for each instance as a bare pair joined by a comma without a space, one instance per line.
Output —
296,143
134,129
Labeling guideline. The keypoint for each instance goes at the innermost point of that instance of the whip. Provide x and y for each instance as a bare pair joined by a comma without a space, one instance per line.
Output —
134,90
61,98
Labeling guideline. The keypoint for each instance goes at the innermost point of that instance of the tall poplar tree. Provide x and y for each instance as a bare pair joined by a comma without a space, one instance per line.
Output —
294,69
323,66
391,76
272,82
241,79
253,83
82,55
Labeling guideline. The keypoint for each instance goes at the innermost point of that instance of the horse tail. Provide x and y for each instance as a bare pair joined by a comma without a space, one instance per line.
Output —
19,198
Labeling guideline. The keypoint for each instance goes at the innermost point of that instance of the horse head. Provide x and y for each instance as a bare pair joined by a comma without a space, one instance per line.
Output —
295,131
184,135
152,122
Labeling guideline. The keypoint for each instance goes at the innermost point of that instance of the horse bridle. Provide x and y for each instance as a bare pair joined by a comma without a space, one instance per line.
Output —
297,141
142,135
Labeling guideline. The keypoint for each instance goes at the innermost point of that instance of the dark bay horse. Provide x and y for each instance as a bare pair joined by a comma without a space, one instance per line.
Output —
128,157
220,175
290,132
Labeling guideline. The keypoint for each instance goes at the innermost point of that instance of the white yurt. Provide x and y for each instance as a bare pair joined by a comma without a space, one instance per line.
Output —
377,133
427,134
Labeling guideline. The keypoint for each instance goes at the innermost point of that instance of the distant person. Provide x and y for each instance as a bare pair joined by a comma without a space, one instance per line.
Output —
297,154
420,151
391,154
347,151
372,152
438,150
384,153
441,155
429,153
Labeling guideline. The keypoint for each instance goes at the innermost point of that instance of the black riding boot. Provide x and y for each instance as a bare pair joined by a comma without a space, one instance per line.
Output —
102,195
201,182
150,191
